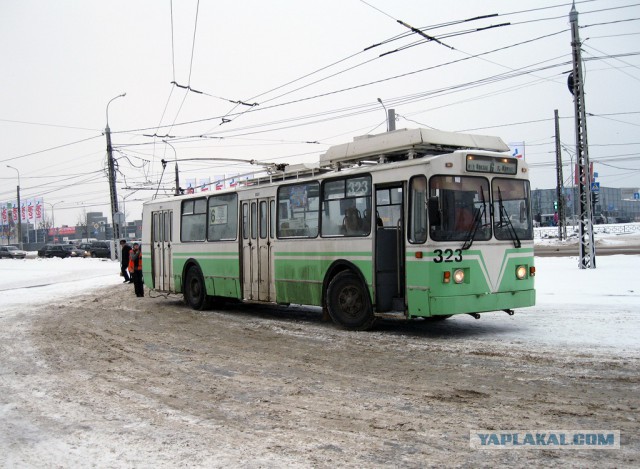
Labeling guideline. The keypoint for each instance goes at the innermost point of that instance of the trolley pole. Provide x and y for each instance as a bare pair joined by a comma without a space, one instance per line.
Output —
587,246
112,184
562,221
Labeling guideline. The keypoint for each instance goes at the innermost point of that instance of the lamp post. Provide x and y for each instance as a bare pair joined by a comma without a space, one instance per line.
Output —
19,209
175,156
391,117
53,213
112,176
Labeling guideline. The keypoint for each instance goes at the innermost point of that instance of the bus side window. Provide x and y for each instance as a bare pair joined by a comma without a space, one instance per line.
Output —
346,207
298,212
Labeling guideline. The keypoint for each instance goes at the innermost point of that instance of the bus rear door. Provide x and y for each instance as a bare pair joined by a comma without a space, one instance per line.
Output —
258,232
162,238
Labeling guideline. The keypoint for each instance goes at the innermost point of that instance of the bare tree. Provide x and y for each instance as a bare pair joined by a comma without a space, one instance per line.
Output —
45,224
82,224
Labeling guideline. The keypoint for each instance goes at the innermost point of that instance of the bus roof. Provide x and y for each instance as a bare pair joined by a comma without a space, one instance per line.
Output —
408,143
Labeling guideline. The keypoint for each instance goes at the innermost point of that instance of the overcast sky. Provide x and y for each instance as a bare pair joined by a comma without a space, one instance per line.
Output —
307,68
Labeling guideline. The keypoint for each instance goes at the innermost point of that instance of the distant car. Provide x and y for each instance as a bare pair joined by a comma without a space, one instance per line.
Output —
100,249
86,247
60,250
12,252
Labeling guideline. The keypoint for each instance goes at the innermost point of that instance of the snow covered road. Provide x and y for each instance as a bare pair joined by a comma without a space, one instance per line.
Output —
90,375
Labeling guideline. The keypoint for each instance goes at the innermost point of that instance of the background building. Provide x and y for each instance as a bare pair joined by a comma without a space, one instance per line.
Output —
612,205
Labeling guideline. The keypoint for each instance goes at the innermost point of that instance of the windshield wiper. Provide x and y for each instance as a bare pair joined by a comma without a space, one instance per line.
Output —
477,221
506,221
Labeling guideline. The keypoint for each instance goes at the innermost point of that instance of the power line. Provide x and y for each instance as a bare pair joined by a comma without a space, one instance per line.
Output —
49,149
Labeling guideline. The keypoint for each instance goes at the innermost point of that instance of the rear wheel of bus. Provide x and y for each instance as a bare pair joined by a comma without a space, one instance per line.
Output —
195,292
348,302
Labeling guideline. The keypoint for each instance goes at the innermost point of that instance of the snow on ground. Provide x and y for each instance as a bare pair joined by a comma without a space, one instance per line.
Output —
590,308
611,235
36,280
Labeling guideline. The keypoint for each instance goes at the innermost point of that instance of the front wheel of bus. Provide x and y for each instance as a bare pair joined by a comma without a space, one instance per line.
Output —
195,292
348,302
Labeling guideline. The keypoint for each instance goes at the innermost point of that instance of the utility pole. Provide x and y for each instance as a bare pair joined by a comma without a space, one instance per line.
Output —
576,82
19,209
562,222
112,182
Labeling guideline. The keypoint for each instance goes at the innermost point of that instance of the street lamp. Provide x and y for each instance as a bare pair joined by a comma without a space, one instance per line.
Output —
175,156
53,213
391,117
19,209
112,175
386,114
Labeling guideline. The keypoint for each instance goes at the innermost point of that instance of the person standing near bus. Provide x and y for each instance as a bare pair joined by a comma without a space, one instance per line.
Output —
135,268
125,249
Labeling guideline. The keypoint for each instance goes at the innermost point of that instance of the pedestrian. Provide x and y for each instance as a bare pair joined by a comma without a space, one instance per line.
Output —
124,261
555,219
135,269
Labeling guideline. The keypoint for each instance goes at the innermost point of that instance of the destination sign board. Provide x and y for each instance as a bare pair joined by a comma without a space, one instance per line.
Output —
492,164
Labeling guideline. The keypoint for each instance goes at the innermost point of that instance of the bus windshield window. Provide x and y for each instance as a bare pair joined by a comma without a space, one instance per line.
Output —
458,206
223,217
298,211
511,209
346,207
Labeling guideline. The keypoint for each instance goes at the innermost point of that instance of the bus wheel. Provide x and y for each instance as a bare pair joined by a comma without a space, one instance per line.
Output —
348,302
195,292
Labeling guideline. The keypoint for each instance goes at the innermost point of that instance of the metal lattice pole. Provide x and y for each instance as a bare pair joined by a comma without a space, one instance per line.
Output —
587,247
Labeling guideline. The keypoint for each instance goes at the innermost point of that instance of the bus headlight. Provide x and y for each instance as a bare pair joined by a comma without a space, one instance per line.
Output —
521,272
458,276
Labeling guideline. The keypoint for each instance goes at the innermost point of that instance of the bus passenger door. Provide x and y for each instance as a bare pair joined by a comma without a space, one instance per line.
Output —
266,231
389,248
257,249
161,250
248,244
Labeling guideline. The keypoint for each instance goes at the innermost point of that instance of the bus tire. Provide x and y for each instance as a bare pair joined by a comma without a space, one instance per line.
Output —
348,302
195,292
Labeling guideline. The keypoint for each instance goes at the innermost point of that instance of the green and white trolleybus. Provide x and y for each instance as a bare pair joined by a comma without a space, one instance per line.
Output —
413,223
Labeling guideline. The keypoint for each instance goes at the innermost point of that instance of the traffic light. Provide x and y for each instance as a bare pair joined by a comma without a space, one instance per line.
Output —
595,198
555,205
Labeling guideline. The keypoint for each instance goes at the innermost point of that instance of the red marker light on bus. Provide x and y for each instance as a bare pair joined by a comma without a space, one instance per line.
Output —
446,278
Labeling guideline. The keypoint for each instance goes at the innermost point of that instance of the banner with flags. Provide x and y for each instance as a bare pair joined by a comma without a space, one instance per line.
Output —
205,184
191,186
517,149
39,202
5,213
219,182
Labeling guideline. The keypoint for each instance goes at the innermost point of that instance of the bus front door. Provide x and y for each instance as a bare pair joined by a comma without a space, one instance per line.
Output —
389,248
161,250
257,249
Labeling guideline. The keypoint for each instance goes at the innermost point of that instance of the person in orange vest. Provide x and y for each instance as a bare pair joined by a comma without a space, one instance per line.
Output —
135,268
